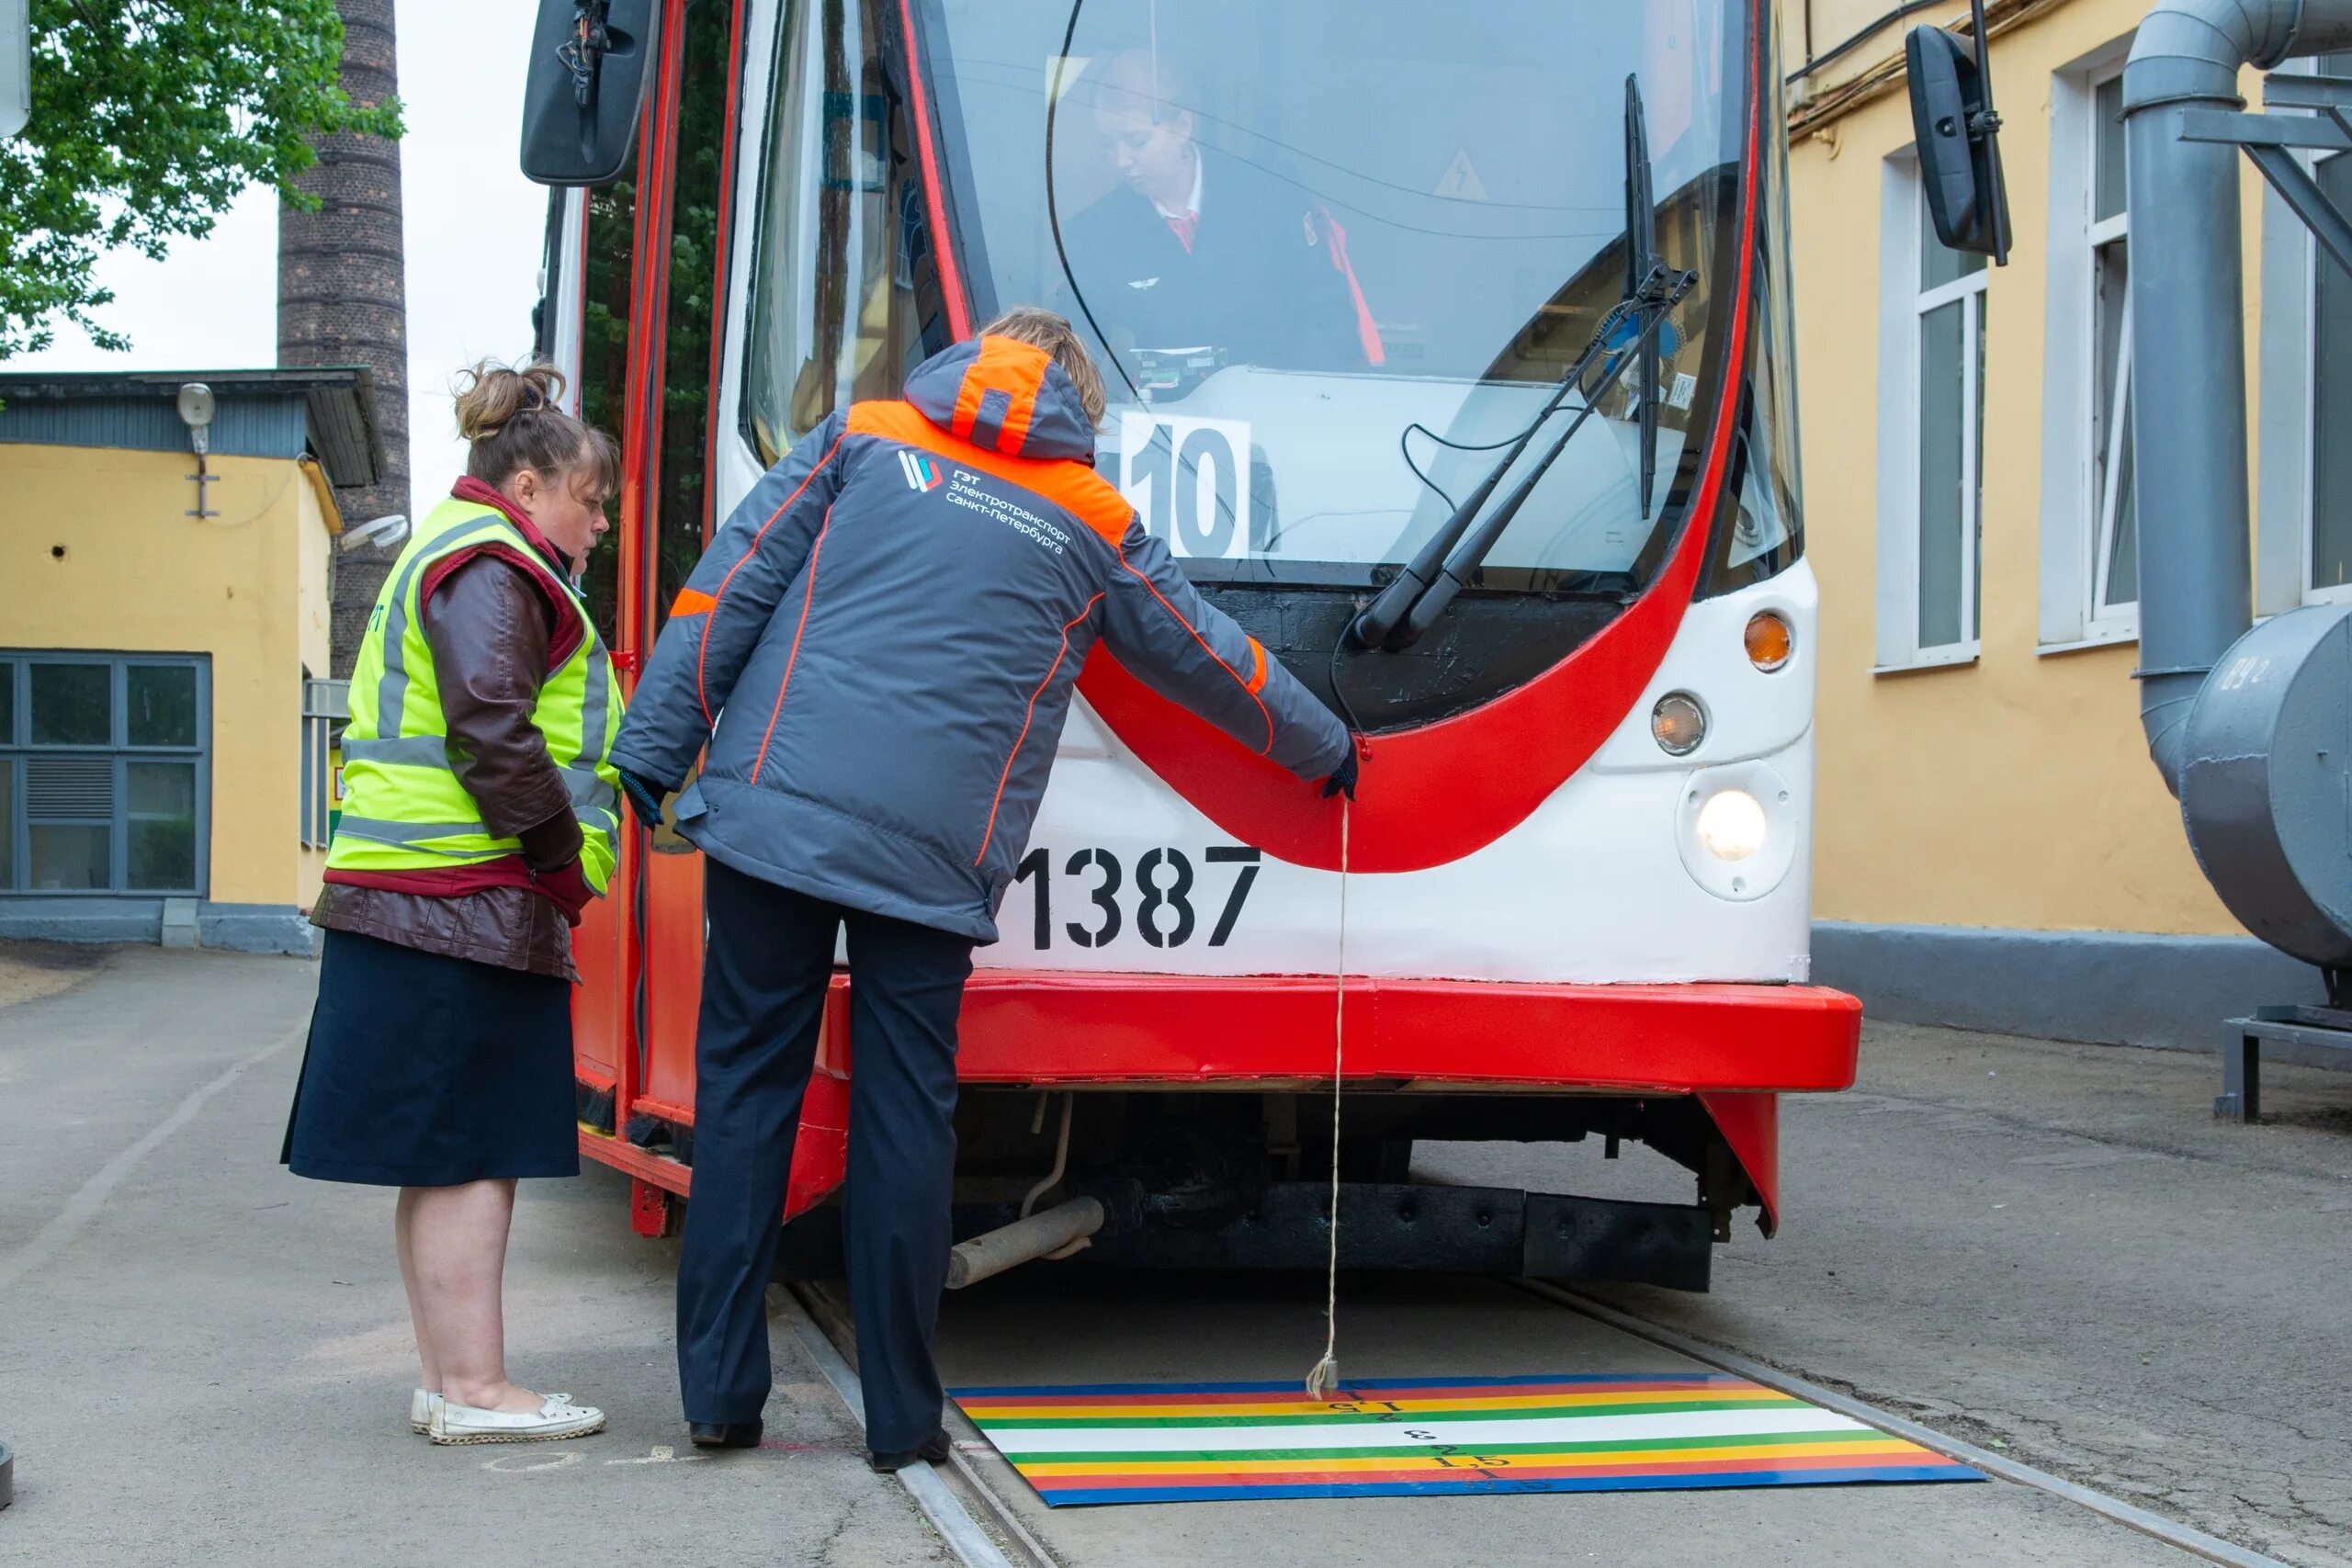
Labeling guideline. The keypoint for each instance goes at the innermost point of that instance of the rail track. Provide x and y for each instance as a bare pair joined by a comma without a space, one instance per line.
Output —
988,1516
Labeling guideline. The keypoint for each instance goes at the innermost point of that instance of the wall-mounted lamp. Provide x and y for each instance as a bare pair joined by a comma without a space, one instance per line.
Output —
388,532
195,405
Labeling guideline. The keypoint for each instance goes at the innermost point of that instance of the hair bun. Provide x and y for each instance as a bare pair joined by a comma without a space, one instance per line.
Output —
514,418
492,395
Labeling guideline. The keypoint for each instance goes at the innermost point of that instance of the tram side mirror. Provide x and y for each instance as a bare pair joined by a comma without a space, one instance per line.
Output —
591,63
1959,143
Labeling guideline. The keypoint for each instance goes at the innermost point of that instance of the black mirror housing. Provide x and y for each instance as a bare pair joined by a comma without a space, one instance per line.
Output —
1959,144
592,63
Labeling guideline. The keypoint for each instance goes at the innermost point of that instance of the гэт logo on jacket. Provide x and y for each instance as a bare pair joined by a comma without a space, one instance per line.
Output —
923,473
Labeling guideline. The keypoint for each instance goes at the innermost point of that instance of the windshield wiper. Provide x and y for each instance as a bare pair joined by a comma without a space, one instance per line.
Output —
1411,603
1658,295
1640,260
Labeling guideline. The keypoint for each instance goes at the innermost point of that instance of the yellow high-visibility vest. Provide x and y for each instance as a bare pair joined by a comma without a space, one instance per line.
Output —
403,808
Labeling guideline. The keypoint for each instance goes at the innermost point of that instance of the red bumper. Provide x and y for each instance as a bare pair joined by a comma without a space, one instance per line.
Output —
1735,1047
1067,1029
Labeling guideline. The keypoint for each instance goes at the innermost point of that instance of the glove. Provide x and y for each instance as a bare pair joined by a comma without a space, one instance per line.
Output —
567,884
644,799
1343,778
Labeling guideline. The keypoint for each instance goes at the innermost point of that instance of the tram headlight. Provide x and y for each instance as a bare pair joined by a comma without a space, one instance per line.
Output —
1732,825
1740,828
1679,724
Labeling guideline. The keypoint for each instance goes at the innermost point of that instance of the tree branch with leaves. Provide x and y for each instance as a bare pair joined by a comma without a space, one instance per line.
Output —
149,117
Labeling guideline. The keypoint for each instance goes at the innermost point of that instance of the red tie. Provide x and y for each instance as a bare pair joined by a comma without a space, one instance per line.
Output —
1183,227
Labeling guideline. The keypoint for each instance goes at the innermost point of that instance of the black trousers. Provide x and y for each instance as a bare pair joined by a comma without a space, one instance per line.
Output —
769,956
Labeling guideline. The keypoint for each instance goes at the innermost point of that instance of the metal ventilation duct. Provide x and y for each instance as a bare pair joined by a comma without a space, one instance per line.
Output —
2255,753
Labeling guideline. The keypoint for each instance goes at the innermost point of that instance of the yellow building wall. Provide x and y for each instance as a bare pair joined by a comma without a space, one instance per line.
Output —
138,576
313,600
2015,791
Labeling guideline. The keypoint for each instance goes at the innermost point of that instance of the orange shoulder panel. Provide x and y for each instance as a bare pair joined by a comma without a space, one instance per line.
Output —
1072,486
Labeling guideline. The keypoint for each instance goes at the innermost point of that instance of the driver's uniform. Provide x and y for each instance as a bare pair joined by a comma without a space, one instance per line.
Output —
1257,271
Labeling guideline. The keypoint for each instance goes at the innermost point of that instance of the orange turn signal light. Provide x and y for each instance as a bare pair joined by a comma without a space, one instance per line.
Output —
1770,641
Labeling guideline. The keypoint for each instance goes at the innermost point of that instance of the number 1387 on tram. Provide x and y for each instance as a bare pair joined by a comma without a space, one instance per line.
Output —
1448,352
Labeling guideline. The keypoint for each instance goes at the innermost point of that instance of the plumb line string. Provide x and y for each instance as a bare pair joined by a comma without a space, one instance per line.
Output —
1323,1378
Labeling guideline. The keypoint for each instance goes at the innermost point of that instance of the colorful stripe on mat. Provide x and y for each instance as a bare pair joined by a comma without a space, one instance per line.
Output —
1095,1443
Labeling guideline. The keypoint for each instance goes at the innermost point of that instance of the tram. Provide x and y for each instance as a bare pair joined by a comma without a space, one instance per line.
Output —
1489,435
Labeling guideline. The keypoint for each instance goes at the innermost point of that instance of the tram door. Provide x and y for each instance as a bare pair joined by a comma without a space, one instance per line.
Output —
843,298
649,367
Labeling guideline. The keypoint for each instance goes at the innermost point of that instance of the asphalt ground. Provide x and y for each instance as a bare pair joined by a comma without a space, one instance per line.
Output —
205,1360
2057,1249
2046,1248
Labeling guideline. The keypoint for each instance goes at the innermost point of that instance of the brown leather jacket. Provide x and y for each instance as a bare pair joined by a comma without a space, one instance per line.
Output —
489,627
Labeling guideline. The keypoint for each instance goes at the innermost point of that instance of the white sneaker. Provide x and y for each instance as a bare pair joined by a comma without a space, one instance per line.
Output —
556,1418
421,1407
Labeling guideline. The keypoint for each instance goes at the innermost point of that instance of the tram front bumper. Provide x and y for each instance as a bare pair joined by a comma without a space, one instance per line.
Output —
1070,1030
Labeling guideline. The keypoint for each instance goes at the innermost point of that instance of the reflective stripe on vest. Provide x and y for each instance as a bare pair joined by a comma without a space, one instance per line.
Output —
588,792
403,805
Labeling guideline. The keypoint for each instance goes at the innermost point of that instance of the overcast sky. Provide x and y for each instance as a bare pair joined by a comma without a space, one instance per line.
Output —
474,226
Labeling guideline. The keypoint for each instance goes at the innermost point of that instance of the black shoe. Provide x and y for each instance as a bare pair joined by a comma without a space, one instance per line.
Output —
933,1451
724,1433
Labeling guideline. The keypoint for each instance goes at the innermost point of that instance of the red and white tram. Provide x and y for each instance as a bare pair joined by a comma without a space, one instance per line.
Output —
1576,896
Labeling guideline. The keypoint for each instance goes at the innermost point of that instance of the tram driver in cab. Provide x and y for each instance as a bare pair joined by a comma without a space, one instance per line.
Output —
1197,248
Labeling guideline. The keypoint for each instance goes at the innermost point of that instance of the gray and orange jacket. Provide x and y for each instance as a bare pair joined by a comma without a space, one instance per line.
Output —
879,646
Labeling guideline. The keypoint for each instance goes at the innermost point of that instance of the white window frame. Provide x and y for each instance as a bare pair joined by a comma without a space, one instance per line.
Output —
2101,621
2289,405
2079,521
326,708
2307,485
1903,306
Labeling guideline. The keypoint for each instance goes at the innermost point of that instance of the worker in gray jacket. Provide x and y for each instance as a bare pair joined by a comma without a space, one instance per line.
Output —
877,651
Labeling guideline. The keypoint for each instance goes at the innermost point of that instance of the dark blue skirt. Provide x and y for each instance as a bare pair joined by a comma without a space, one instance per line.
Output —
427,1071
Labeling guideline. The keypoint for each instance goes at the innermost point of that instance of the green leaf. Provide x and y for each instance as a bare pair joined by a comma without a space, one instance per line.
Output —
148,117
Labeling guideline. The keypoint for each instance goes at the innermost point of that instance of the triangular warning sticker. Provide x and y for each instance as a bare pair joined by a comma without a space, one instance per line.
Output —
1461,181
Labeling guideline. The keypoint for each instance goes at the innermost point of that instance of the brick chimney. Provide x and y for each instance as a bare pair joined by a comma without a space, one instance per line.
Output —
343,298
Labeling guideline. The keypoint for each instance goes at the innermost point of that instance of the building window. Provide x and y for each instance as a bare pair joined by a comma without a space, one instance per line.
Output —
2303,536
2112,602
103,773
326,708
2089,545
2328,511
1932,416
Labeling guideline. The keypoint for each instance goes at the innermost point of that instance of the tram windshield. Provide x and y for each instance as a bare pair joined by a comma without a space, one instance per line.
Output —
1296,232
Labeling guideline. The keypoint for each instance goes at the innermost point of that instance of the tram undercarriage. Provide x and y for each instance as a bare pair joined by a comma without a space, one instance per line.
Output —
1238,1180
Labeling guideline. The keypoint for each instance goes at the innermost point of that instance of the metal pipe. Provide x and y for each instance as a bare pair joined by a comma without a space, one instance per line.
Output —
1061,1152
2188,419
1022,1240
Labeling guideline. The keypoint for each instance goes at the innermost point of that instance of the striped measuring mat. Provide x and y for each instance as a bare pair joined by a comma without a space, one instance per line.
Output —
1177,1442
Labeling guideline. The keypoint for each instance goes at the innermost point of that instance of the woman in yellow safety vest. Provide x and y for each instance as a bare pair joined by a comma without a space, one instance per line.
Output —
479,820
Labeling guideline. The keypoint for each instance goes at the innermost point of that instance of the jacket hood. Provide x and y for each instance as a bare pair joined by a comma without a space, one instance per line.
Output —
1004,396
